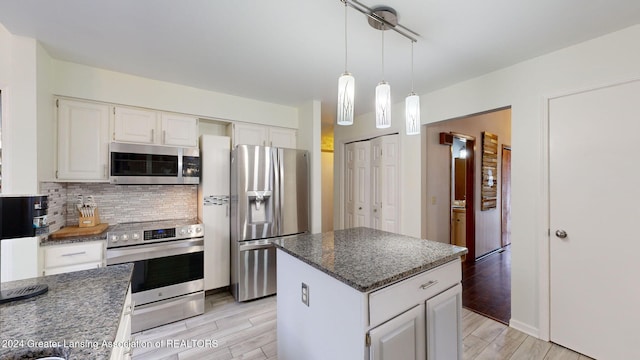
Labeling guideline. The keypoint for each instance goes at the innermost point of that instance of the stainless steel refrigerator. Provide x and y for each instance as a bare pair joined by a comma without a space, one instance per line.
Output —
269,199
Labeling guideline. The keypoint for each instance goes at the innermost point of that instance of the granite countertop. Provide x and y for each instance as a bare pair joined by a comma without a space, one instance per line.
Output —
368,259
77,316
47,240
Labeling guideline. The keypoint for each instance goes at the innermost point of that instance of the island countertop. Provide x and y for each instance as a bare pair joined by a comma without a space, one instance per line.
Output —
368,259
76,318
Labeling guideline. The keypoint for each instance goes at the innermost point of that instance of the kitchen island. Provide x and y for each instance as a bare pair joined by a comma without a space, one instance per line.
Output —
368,294
78,318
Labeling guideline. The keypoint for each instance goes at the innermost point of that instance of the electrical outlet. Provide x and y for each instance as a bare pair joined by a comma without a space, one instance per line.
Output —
305,294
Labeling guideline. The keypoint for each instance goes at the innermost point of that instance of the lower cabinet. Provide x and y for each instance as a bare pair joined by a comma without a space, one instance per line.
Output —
401,338
122,344
444,325
57,259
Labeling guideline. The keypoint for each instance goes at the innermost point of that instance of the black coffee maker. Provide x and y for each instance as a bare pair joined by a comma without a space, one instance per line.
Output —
23,216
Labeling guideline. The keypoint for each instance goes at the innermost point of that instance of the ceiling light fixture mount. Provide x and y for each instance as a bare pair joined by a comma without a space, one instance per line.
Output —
383,18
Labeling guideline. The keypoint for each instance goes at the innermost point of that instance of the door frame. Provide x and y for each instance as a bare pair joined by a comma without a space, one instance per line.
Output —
503,178
544,245
470,213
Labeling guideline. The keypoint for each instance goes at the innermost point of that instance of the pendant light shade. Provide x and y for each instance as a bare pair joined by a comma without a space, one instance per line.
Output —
412,113
383,105
412,107
346,87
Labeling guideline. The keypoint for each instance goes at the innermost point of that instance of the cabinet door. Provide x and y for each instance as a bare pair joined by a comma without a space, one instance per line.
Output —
283,138
135,125
248,134
83,140
401,338
179,130
444,325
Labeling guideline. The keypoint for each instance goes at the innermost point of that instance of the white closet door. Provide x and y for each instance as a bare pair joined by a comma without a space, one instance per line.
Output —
377,183
349,198
594,196
362,184
388,194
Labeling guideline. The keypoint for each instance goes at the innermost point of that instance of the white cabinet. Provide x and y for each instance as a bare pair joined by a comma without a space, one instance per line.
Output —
179,130
122,344
57,259
401,338
135,125
444,325
83,140
213,209
154,127
252,134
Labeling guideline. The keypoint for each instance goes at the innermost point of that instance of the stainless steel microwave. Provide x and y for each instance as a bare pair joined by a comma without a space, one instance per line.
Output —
153,164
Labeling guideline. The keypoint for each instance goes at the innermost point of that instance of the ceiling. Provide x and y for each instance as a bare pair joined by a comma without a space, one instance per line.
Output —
292,51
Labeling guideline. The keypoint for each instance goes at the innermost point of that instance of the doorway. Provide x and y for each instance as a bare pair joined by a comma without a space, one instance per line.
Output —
487,268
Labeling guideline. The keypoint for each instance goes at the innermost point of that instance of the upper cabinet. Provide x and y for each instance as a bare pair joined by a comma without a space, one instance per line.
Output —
135,125
154,127
83,140
179,130
251,134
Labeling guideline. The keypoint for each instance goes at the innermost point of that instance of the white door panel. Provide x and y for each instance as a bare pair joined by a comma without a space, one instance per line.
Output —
594,194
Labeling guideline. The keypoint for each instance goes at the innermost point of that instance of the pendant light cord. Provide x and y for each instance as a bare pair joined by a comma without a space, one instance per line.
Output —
412,67
345,36
382,52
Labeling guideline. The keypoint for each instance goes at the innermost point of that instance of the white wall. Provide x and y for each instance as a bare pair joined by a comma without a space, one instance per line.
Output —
91,83
308,138
524,86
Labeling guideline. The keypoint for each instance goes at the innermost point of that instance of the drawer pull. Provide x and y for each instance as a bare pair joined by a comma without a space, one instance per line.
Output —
429,284
76,253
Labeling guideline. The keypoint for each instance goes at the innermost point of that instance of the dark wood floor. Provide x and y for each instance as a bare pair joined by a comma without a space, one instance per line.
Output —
486,285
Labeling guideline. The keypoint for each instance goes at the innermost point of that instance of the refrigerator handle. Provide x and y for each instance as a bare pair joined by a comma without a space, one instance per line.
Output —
277,165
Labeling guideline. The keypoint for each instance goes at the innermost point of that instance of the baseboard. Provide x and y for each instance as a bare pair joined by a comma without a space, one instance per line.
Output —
525,328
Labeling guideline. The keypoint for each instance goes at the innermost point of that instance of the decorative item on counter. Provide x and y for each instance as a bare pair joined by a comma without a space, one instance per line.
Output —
88,212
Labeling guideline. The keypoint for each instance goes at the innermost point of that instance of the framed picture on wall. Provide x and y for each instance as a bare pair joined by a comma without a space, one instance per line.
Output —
489,189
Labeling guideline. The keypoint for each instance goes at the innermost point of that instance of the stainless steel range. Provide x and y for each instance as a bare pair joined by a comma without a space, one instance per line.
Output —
168,273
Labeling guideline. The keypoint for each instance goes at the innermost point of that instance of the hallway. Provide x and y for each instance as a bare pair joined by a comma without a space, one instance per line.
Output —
486,285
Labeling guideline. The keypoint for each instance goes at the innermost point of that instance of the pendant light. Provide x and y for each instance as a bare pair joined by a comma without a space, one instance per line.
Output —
346,85
383,97
412,106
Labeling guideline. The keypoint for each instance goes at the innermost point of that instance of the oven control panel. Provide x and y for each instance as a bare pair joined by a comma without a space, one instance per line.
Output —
130,235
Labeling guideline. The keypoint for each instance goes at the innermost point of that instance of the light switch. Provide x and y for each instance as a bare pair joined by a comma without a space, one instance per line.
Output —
433,200
305,294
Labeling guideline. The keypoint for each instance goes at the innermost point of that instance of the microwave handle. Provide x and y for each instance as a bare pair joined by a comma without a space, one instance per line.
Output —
152,136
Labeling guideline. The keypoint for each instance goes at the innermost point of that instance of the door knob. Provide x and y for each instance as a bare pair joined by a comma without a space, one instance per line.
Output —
360,208
561,234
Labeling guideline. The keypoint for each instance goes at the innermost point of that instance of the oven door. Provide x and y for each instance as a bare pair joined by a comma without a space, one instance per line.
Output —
167,283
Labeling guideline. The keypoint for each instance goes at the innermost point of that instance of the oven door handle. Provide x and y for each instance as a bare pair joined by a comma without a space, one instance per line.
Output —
153,251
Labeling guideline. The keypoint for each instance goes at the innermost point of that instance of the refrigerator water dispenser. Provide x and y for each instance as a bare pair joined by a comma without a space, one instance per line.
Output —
260,209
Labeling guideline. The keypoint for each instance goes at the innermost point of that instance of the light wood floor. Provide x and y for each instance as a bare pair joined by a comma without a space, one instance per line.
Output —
248,331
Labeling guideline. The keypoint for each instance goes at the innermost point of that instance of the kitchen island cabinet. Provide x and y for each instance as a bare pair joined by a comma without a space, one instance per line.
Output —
368,294
84,315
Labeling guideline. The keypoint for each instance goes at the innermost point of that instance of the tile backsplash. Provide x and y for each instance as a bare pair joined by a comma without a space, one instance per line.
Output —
122,203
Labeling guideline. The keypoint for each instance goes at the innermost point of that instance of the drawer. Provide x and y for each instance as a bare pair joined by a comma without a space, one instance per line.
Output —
392,300
73,254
